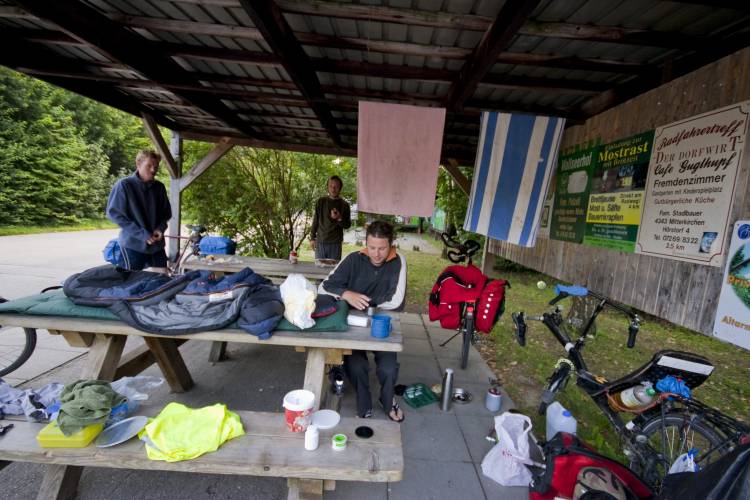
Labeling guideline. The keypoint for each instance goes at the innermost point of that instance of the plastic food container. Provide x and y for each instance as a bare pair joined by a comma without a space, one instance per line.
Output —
52,437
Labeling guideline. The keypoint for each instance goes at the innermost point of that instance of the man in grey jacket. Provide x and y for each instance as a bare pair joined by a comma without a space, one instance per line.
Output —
375,276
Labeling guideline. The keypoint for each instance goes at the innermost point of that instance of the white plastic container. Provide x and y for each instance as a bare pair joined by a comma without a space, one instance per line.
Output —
312,437
559,420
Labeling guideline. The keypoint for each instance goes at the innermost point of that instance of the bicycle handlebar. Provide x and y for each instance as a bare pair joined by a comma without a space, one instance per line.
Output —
463,250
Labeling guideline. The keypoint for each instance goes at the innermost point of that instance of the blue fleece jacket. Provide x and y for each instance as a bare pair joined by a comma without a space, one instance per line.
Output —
139,208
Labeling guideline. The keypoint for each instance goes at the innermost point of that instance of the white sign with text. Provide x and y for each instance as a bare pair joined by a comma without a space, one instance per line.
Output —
733,312
691,183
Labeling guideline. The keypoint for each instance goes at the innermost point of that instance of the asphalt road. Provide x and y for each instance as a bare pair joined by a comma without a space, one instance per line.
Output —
32,262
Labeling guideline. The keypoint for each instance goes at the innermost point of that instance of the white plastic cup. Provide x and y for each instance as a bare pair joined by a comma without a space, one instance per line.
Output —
298,406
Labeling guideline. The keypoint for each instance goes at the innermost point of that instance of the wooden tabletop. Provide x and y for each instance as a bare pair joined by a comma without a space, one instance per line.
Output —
271,268
354,338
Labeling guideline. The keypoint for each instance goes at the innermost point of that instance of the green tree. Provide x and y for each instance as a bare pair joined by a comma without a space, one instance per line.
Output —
452,199
262,198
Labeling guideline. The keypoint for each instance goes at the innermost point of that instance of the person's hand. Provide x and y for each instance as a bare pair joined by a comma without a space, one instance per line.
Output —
312,244
335,214
356,300
158,235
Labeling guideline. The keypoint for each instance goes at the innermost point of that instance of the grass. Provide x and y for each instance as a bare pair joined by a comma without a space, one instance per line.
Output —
524,371
83,225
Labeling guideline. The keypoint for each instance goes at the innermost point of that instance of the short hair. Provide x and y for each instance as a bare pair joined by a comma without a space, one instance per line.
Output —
336,178
144,154
381,229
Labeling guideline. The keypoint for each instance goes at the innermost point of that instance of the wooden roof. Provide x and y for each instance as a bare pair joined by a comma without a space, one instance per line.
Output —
288,73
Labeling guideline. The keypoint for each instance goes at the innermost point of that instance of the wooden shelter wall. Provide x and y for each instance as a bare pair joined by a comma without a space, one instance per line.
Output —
680,292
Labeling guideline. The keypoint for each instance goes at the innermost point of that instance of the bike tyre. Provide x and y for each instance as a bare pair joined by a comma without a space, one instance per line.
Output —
468,332
652,429
25,354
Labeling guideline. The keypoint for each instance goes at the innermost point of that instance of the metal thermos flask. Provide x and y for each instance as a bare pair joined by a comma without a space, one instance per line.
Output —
447,394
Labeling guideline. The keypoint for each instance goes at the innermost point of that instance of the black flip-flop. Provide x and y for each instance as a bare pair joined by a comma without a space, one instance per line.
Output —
394,408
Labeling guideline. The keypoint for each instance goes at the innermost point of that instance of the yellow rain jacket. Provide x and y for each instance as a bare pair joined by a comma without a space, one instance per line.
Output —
181,433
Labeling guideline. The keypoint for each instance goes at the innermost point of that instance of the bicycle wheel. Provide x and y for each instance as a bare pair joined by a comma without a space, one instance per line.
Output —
14,356
468,333
677,436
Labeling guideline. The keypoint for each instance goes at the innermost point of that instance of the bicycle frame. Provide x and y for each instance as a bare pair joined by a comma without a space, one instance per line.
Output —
598,388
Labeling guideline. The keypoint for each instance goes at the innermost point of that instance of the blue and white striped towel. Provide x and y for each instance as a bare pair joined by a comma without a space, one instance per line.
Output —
515,159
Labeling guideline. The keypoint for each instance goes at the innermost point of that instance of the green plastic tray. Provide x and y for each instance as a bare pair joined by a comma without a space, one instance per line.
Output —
419,395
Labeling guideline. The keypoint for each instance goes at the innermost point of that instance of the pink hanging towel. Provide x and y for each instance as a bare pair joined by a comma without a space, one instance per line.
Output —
398,158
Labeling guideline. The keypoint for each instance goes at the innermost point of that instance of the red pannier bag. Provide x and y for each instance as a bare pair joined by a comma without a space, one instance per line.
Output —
457,284
565,456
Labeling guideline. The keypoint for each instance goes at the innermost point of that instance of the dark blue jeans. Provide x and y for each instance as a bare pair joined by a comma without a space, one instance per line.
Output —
357,368
135,261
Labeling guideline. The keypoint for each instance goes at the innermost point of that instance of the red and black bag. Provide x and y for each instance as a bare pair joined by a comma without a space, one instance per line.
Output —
565,456
460,284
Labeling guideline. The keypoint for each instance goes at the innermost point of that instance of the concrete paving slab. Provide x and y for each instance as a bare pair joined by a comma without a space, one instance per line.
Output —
476,406
411,319
414,331
476,370
417,347
475,430
434,437
434,480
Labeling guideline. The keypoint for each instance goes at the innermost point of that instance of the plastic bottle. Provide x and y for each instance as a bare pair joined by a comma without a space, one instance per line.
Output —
636,397
560,420
312,437
447,390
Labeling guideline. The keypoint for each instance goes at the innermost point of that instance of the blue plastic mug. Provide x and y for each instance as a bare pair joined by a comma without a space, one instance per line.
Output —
381,326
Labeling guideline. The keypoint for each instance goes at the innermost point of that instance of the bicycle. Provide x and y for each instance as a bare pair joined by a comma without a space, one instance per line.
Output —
659,432
192,241
463,252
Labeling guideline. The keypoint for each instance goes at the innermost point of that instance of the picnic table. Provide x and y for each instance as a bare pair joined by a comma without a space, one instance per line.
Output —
106,340
274,269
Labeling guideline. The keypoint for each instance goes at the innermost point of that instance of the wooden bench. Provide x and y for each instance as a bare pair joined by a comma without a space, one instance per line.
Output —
267,449
106,340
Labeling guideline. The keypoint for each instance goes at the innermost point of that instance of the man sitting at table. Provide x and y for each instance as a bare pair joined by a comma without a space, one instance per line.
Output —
376,275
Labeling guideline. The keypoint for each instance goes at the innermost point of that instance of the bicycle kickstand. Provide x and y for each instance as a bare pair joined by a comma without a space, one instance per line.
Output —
452,337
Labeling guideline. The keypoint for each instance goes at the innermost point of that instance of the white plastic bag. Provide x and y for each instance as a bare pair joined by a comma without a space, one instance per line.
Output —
298,296
684,463
136,388
505,462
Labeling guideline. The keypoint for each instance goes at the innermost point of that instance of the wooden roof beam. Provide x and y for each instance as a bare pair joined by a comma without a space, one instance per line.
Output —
90,26
505,26
224,145
152,129
278,35
669,70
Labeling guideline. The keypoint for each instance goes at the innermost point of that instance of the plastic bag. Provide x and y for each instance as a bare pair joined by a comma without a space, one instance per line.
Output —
506,462
298,296
673,385
685,463
136,388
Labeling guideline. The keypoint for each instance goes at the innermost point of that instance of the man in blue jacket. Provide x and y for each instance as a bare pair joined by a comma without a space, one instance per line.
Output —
140,206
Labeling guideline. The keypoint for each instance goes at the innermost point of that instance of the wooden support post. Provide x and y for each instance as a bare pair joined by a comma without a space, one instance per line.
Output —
315,373
78,339
451,166
171,363
305,489
221,148
218,351
175,196
60,481
488,260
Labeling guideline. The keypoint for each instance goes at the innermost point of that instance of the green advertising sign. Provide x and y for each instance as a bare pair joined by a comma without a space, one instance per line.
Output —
572,186
616,199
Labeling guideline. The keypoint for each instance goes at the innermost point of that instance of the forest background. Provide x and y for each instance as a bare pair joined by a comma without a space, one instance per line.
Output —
60,154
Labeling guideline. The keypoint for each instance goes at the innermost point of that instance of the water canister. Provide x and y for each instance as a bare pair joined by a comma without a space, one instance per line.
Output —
635,397
559,420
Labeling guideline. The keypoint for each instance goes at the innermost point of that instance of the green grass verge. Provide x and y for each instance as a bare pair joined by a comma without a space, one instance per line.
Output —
83,225
524,371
